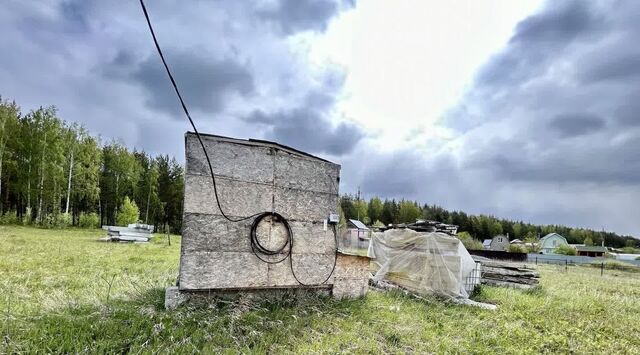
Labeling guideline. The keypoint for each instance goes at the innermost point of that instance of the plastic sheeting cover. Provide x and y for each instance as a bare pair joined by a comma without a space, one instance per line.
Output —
426,263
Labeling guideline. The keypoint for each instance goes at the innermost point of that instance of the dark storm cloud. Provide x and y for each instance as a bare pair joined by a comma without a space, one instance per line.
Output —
596,161
625,67
204,82
306,129
552,121
538,40
301,15
576,124
562,22
307,125
95,61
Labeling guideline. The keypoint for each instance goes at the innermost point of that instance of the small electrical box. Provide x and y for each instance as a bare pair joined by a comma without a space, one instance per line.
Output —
334,218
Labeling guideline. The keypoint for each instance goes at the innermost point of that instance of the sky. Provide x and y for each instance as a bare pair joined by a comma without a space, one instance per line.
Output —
527,110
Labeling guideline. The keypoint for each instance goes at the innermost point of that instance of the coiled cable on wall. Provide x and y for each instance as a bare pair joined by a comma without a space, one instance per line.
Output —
256,247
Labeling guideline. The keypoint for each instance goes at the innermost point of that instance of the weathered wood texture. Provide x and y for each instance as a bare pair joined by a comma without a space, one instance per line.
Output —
517,275
254,177
351,276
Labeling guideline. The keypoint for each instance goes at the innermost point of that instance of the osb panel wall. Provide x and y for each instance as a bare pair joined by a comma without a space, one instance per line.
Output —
216,253
351,278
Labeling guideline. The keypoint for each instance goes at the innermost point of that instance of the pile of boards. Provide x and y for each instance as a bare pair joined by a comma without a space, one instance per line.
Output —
508,274
423,225
133,233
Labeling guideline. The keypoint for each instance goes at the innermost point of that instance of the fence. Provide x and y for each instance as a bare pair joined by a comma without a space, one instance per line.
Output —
575,259
474,278
499,255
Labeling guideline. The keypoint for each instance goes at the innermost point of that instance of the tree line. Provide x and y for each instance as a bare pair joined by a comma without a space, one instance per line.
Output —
377,212
54,174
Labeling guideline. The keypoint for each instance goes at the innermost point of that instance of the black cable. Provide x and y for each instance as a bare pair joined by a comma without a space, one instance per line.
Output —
256,247
186,111
335,261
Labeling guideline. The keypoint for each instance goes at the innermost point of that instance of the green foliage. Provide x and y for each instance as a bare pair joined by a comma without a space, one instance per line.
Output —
378,224
631,243
49,167
79,300
565,250
408,212
128,213
342,225
515,248
62,220
361,211
469,242
56,221
27,218
374,209
588,241
89,220
10,218
481,226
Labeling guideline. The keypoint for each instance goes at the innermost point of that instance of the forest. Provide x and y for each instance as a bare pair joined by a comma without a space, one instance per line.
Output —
378,213
56,174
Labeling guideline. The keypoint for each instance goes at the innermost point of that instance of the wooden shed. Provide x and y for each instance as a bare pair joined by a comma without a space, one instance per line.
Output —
254,177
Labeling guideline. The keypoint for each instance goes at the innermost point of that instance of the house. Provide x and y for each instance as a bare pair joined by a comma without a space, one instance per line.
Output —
591,250
357,235
499,242
358,228
550,242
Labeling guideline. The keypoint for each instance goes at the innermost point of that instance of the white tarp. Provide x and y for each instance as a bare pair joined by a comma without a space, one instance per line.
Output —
425,263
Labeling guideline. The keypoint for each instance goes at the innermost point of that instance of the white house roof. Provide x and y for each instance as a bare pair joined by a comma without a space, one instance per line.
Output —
549,235
358,224
486,242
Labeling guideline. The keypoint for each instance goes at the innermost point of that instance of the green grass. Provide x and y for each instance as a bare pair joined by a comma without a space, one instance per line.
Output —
65,292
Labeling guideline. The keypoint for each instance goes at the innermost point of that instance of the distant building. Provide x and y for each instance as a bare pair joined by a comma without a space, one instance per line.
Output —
517,242
592,250
499,242
357,235
550,242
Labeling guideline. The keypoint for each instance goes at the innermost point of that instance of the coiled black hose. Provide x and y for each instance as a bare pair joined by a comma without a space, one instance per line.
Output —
259,249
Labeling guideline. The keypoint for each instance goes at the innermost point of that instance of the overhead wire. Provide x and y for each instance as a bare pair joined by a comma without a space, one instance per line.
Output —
256,246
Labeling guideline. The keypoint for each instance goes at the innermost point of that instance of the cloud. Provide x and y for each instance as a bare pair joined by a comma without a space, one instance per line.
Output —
96,62
205,82
548,131
539,40
576,124
292,16
307,126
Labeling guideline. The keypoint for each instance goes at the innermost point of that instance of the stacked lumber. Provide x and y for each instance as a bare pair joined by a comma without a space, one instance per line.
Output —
423,225
499,273
136,232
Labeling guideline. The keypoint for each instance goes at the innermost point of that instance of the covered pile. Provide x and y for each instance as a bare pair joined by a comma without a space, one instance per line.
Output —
423,263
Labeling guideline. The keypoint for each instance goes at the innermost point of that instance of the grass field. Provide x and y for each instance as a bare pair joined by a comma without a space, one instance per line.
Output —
63,291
